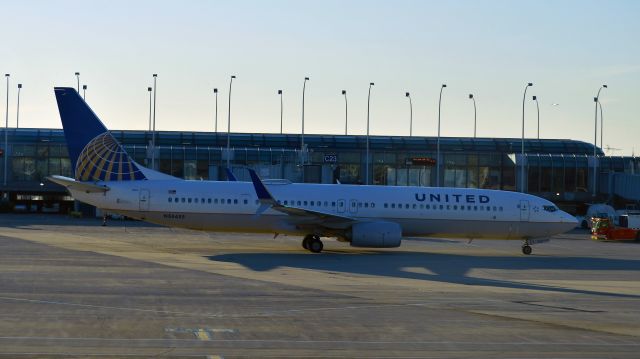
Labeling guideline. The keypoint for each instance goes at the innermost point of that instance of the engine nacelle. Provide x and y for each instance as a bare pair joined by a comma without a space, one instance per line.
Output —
376,234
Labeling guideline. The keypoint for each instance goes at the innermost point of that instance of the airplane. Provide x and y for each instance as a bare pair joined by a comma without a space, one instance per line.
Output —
106,177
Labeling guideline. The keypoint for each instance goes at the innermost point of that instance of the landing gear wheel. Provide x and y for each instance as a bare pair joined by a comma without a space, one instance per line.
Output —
526,249
315,245
305,242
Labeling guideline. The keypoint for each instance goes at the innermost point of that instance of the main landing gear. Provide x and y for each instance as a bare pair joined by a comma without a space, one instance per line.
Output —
312,243
526,248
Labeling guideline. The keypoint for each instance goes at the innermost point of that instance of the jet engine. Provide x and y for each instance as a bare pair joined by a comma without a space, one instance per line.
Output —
376,234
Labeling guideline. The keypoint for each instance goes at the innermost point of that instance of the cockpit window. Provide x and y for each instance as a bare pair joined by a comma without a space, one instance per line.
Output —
550,208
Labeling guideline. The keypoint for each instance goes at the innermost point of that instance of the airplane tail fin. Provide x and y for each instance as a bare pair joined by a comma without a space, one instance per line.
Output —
95,154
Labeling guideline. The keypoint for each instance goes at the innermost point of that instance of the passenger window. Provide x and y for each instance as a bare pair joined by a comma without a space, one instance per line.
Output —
366,205
373,204
189,199
427,206
229,201
305,203
386,205
215,201
235,201
326,204
475,208
169,199
353,204
333,204
299,203
209,200
286,202
421,206
183,199
441,207
415,206
247,201
455,207
360,204
495,208
500,208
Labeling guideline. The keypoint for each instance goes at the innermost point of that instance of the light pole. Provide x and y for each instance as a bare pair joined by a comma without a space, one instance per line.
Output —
84,92
366,167
410,114
522,149
474,115
215,126
18,109
601,124
78,80
280,93
6,134
304,87
438,140
229,125
153,129
595,140
346,111
149,89
535,98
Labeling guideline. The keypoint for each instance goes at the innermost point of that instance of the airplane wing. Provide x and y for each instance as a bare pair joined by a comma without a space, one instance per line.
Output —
306,216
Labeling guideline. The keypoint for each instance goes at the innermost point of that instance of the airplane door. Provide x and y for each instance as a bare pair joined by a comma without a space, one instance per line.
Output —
341,205
524,211
353,206
143,198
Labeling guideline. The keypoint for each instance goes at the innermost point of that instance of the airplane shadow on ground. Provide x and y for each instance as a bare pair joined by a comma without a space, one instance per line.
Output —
446,268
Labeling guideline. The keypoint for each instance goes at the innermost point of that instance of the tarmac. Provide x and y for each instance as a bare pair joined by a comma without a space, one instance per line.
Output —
72,288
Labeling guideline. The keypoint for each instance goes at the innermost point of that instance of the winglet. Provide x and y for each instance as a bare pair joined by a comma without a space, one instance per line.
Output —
230,176
266,199
261,190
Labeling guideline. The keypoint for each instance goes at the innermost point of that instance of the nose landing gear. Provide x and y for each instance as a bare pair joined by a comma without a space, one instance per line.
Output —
312,243
526,248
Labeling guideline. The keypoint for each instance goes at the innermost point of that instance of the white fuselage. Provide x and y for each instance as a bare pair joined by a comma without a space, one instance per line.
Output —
420,211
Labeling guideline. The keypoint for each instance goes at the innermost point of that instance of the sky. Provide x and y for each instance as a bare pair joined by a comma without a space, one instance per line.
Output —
567,49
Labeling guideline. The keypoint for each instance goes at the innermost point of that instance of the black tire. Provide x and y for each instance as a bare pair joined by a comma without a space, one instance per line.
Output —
526,250
638,236
315,245
306,240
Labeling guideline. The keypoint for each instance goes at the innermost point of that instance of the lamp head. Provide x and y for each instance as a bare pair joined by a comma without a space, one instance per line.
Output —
534,98
155,75
215,90
470,95
344,92
7,75
407,94
19,86
233,76
84,87
371,84
605,86
444,85
595,99
530,84
306,79
279,92
149,89
77,74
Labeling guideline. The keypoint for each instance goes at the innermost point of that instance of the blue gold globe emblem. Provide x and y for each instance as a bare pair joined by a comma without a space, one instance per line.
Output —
103,159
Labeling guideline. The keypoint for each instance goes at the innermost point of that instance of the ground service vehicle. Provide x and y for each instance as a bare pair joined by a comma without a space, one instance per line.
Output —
603,229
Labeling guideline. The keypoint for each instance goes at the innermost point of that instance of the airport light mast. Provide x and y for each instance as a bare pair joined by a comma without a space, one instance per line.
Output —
595,141
438,140
229,126
346,111
522,149
408,95
366,163
474,114
6,134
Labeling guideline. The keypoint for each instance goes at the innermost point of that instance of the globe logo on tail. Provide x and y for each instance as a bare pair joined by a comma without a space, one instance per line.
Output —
103,159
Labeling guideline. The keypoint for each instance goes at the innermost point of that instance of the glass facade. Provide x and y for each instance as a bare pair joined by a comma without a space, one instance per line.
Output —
561,170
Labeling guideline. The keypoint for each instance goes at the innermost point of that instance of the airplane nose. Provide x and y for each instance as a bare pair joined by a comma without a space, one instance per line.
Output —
568,219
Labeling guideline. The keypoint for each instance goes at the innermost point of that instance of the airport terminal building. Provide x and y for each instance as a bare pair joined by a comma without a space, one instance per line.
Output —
559,170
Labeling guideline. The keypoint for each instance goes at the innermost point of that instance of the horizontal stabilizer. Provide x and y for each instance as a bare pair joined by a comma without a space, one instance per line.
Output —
72,184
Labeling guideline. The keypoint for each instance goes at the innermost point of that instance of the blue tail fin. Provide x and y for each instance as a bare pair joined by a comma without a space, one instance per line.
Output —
94,152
